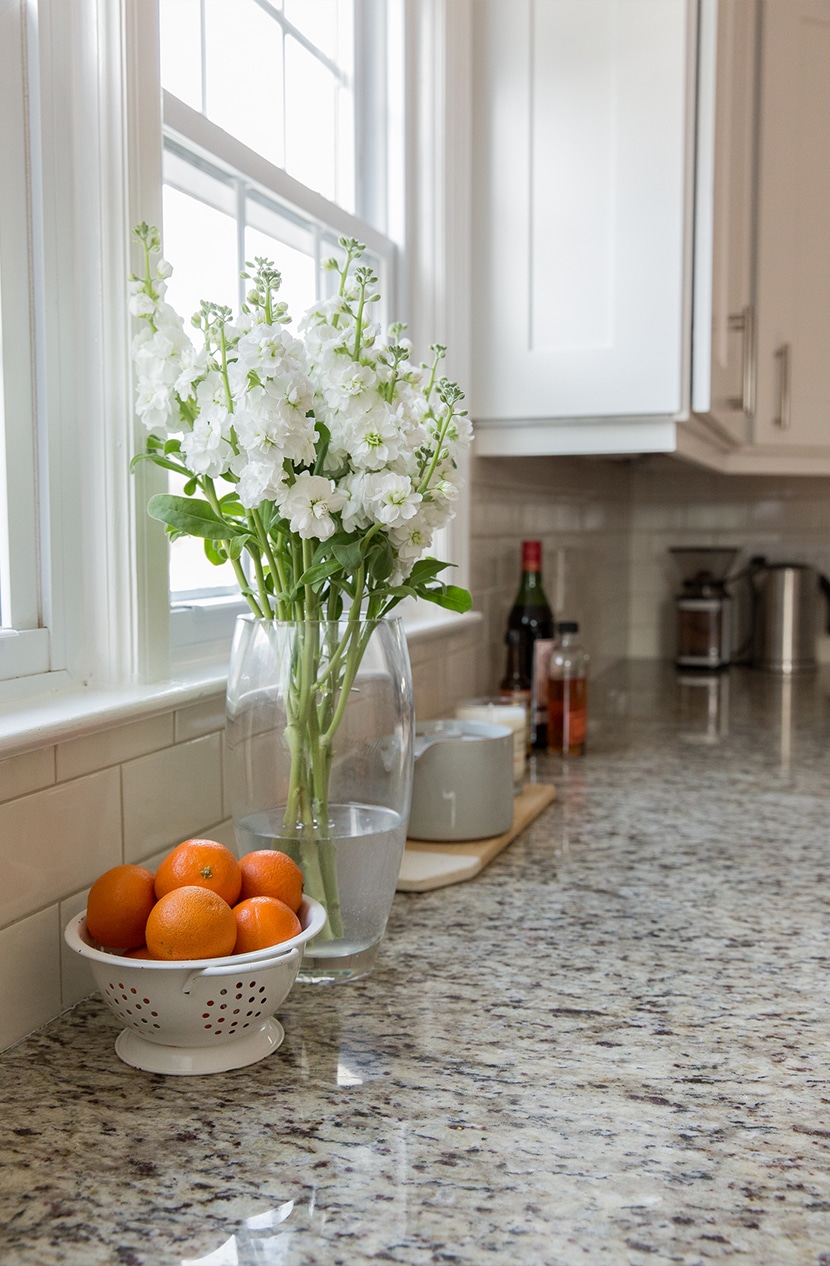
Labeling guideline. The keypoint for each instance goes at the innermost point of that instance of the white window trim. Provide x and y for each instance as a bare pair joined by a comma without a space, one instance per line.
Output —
102,174
24,647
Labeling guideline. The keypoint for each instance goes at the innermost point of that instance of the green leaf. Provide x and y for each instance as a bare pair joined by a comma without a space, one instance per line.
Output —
157,460
381,559
216,554
347,549
451,597
426,569
317,572
191,518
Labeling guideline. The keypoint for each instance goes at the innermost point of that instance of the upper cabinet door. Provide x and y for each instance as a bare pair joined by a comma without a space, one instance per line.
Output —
580,173
793,277
723,364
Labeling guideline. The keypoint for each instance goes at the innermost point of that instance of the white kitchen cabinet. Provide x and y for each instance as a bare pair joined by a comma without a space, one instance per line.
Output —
723,365
764,395
581,164
793,251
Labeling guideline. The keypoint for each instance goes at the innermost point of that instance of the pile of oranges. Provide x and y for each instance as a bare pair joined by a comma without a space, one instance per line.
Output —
201,903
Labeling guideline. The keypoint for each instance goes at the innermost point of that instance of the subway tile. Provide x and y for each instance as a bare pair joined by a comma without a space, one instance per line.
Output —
20,775
113,746
171,795
75,977
717,517
200,718
30,993
429,684
55,841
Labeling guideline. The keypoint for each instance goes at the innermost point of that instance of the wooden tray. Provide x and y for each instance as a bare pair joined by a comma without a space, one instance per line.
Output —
434,865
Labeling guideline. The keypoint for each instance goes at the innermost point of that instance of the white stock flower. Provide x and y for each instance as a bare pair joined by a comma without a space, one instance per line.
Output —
206,450
141,304
372,440
309,504
154,404
391,498
259,479
355,515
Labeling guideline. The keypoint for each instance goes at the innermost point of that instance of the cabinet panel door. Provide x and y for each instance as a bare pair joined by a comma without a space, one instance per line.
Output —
794,226
579,165
723,369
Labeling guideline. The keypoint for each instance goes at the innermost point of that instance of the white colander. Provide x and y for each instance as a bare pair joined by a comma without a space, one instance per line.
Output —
200,1016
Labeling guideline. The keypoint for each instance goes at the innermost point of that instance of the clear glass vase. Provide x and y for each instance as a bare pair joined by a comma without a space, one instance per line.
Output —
319,743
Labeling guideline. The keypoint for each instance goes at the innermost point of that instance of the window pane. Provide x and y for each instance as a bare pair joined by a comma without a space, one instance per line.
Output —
311,124
180,33
318,22
244,75
200,243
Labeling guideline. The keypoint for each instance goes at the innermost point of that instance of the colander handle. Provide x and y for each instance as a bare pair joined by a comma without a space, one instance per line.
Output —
242,969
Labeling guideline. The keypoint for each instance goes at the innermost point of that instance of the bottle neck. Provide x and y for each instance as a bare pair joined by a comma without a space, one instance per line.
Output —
530,587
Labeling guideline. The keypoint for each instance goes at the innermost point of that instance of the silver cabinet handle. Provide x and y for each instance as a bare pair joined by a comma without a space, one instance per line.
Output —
784,358
744,323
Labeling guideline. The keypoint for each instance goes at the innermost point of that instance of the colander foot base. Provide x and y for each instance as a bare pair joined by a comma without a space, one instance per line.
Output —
192,1061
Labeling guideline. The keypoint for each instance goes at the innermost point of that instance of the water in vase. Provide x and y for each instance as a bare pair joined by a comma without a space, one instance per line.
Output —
368,843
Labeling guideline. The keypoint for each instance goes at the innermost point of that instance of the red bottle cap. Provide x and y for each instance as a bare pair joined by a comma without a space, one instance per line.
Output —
531,555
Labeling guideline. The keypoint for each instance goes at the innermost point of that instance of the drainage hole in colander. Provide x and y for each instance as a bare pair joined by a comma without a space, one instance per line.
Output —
146,1001
222,993
133,991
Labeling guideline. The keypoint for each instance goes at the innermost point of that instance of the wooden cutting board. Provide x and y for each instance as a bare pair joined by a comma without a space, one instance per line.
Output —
434,865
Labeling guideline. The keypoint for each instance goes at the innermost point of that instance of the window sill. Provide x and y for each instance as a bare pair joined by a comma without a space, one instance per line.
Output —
37,721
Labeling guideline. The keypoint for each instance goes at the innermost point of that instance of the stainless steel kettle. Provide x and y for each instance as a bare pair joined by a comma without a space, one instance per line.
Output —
785,615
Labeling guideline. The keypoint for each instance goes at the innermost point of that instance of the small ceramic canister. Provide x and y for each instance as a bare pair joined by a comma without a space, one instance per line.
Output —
496,712
462,788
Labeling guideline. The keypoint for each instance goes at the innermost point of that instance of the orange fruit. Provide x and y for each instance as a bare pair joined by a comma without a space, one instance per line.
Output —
191,922
119,903
204,863
267,873
263,921
141,952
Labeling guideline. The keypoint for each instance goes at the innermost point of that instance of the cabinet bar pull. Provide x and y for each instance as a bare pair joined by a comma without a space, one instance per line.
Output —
784,358
744,323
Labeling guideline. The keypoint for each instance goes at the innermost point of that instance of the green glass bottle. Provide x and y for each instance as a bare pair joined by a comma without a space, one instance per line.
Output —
532,616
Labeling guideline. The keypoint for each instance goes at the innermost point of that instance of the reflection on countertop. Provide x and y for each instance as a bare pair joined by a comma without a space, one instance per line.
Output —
611,1046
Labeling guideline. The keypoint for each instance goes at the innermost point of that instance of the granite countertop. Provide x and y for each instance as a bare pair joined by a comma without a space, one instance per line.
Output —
612,1046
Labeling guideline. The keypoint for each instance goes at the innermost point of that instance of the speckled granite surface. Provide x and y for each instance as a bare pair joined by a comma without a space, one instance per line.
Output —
613,1046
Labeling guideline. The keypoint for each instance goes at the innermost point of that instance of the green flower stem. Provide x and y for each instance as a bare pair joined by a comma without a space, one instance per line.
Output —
275,562
209,490
439,445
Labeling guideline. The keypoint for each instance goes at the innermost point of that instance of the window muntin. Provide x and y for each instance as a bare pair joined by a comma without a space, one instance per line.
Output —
279,77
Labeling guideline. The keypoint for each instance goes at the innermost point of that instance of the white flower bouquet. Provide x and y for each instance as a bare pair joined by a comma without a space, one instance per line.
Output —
318,464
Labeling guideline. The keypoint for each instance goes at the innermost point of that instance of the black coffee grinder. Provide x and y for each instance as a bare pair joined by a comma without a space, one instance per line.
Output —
704,621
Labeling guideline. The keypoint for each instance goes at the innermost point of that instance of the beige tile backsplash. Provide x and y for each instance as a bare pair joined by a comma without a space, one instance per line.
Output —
130,792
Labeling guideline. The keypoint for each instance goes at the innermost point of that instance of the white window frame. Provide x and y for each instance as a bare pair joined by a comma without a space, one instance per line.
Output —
24,645
100,588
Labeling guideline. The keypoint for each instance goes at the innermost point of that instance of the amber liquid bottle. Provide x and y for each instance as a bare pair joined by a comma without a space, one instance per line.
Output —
567,693
532,618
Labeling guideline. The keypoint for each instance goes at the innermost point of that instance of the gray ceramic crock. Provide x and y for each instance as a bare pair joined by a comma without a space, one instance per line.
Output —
462,788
